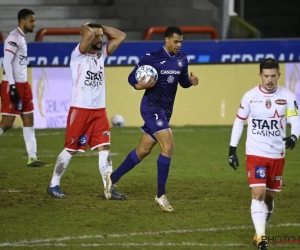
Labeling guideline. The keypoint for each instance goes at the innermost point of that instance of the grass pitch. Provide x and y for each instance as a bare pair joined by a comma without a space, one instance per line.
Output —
211,201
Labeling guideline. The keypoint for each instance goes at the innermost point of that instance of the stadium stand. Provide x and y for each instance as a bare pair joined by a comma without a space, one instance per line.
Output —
131,16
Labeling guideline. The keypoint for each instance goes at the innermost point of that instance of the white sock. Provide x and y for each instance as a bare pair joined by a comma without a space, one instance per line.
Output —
1,131
258,217
30,141
61,165
268,212
105,164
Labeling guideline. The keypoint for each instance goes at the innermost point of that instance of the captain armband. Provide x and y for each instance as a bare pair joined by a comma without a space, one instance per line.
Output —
291,112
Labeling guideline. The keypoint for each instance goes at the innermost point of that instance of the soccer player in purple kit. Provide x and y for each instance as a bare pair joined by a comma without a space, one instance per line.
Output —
156,110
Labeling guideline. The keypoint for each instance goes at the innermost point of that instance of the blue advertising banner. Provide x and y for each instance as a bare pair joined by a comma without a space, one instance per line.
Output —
129,53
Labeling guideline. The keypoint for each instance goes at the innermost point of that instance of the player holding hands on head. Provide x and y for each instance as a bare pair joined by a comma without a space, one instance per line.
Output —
156,110
15,91
87,122
268,107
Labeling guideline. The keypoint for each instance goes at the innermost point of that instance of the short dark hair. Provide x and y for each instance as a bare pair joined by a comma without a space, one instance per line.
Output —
268,63
94,25
23,13
173,30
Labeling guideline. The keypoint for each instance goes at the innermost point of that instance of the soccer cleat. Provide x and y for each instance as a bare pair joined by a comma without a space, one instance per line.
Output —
164,203
115,195
56,192
263,245
110,193
259,243
35,162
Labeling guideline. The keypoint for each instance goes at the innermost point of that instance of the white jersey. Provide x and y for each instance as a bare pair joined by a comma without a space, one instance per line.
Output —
267,114
15,43
88,79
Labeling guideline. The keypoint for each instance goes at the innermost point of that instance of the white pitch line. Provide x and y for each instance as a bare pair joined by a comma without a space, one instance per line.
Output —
37,134
157,244
126,131
213,229
45,156
174,130
145,244
10,191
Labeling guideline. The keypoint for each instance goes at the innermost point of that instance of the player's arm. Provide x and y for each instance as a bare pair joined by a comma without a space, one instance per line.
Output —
116,37
11,47
292,115
146,60
7,60
186,80
237,130
87,38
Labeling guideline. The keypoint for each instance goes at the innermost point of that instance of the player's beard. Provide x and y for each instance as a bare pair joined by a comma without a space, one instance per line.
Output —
270,87
95,47
29,30
176,51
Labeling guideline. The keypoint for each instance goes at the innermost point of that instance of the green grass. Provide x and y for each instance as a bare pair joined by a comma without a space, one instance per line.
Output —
208,197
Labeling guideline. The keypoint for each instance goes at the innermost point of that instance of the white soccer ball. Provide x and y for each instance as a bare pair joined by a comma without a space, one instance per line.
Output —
146,70
117,121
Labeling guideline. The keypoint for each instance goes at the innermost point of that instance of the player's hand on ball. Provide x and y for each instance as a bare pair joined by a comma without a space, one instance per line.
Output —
145,85
233,159
290,141
193,79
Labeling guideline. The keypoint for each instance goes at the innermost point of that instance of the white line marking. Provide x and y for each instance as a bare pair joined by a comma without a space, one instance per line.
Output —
10,191
24,150
174,130
125,131
213,229
157,244
45,156
37,134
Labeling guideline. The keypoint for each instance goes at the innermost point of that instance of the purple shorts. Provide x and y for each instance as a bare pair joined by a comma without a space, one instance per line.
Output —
155,121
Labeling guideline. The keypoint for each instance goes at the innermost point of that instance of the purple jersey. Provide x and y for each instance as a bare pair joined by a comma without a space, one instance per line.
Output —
171,69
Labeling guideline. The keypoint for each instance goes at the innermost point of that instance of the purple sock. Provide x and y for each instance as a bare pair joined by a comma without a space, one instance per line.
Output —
163,166
128,164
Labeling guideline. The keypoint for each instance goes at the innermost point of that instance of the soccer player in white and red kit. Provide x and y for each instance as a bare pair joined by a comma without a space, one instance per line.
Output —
16,94
87,123
268,108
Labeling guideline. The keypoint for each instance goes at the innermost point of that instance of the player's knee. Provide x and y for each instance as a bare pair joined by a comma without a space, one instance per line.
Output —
258,193
146,151
104,147
143,152
27,120
28,123
72,152
168,149
6,126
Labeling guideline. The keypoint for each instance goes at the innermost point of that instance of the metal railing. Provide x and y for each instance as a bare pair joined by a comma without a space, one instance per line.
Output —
55,31
185,29
147,36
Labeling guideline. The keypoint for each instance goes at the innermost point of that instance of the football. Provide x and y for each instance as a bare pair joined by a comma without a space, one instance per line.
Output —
146,70
117,121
